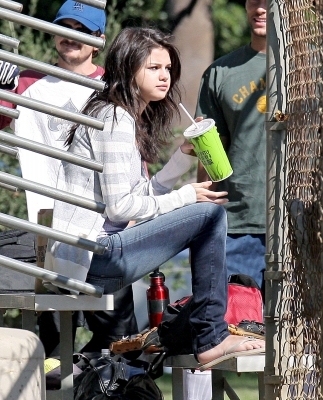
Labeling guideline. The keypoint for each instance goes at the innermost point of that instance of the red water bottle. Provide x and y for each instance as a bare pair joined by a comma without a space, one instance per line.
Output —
157,298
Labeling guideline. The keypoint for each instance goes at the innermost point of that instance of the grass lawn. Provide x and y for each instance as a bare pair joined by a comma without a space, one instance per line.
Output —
245,385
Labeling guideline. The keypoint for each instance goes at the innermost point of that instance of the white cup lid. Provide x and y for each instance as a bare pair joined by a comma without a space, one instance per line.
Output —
203,126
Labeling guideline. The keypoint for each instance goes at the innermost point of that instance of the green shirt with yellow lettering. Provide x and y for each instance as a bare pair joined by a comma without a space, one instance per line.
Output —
233,93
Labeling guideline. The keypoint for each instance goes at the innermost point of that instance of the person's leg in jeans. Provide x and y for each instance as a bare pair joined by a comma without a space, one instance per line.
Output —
134,252
246,255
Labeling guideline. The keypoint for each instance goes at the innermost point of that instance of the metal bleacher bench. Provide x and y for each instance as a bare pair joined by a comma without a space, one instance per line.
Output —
220,386
19,294
29,303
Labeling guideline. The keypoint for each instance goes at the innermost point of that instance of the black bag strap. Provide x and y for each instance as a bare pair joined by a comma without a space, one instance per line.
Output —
156,366
244,280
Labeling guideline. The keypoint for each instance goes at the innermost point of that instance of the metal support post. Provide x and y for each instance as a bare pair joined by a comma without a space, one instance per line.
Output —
50,151
53,29
9,112
51,109
49,191
11,5
275,153
11,151
17,223
52,70
50,276
9,41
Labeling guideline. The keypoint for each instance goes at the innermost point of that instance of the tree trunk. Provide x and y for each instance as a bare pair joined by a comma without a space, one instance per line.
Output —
194,37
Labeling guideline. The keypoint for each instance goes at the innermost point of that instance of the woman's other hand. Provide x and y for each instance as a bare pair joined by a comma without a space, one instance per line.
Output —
204,194
187,147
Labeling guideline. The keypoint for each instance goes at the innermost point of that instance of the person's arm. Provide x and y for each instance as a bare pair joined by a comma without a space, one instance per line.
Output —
9,77
127,193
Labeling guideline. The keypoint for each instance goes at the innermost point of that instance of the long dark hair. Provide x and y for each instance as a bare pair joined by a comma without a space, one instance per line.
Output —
125,57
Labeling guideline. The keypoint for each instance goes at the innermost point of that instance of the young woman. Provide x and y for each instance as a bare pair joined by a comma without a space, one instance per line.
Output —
142,70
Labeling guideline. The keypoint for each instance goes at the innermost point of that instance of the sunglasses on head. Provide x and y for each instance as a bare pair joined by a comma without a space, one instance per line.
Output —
82,28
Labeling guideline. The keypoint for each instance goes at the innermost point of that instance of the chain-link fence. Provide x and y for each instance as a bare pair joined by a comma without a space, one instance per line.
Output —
298,349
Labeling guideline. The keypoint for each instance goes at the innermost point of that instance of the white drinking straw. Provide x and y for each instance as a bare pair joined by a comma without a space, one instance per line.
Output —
188,114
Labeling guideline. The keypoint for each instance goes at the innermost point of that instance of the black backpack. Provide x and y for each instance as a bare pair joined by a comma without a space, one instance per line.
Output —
117,378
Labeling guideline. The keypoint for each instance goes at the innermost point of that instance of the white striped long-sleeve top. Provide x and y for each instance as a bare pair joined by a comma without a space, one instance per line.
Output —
123,186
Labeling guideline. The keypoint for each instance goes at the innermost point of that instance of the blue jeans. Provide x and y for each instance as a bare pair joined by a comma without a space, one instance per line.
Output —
246,255
135,252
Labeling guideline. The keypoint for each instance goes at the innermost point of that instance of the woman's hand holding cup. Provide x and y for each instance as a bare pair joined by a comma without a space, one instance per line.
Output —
187,147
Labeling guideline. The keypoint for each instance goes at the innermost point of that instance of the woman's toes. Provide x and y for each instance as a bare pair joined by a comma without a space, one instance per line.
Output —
231,344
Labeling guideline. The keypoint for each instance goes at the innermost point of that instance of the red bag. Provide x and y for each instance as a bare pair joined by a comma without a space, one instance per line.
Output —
244,300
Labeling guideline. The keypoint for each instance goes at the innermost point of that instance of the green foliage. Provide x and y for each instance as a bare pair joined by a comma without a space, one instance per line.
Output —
12,318
143,12
131,13
177,273
230,26
33,44
82,337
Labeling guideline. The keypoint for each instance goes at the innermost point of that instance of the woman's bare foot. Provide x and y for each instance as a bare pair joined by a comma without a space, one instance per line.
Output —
231,344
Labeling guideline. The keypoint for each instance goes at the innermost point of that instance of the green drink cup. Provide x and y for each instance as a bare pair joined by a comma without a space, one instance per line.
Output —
209,149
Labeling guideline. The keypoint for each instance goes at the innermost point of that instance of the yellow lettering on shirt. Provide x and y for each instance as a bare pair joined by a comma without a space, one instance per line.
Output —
237,99
253,87
243,92
262,84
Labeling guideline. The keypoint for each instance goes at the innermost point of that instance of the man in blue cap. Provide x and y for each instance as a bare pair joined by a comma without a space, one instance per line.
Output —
91,18
76,57
73,56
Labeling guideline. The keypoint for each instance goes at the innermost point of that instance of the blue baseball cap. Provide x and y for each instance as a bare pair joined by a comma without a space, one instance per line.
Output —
91,17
